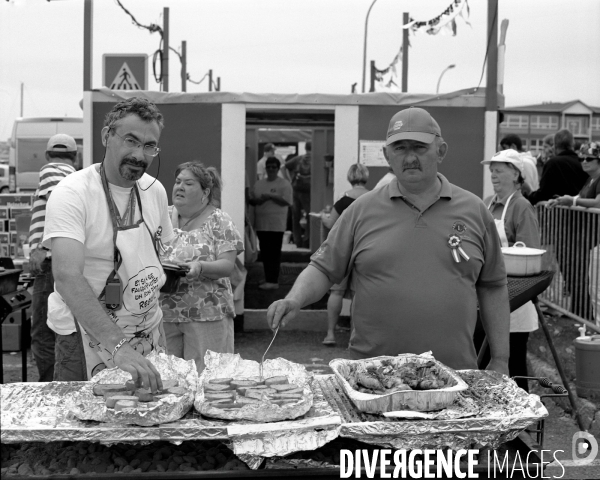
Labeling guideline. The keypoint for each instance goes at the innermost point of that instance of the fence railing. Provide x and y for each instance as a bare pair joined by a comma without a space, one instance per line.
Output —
571,237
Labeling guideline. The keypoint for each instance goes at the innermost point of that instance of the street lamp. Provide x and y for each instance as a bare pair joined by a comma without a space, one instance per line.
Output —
441,75
365,47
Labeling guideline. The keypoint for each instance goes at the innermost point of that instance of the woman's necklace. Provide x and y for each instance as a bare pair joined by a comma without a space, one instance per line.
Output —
197,214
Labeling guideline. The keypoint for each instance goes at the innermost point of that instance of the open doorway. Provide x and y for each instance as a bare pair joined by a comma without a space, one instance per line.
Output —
290,131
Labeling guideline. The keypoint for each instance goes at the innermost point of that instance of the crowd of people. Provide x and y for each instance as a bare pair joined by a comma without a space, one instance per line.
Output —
420,257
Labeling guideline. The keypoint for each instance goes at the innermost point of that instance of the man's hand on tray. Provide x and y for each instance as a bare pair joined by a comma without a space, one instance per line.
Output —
282,311
141,369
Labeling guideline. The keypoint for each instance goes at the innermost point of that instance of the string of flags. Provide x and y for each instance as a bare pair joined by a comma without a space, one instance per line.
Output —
386,79
444,22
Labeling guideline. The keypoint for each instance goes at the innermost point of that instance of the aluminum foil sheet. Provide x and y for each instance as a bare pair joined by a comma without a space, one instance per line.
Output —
266,431
404,403
493,410
84,405
226,365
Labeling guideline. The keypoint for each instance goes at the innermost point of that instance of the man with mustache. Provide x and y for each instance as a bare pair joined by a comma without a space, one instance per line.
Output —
104,226
421,254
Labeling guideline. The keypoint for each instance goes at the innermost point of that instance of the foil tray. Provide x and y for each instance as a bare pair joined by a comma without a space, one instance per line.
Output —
229,365
86,406
416,400
492,411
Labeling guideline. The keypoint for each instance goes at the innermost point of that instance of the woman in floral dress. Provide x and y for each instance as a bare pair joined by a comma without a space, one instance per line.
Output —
198,316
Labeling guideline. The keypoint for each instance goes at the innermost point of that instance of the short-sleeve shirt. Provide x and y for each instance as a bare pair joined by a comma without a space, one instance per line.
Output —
411,296
520,220
78,210
202,299
270,216
50,175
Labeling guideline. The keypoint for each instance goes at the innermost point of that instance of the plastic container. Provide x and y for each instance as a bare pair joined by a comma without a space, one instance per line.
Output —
587,366
522,261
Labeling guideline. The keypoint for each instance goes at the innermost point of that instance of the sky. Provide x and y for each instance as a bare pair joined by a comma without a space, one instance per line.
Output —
294,46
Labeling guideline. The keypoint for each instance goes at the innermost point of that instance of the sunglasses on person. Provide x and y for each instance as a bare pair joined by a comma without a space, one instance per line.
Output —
271,167
588,159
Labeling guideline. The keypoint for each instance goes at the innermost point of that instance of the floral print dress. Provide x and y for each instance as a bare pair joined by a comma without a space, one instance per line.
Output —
201,299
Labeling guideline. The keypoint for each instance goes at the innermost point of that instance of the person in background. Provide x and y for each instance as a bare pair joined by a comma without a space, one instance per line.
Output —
546,153
516,221
103,223
588,197
198,316
514,142
272,197
422,254
61,154
269,152
300,171
358,176
562,173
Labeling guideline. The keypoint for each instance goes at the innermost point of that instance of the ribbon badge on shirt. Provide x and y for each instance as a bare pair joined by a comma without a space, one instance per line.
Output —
454,242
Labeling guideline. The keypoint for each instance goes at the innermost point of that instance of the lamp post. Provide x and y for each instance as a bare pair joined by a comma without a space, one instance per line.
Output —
365,47
441,75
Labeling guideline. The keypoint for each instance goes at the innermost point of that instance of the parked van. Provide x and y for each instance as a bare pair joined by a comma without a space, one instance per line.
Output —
28,144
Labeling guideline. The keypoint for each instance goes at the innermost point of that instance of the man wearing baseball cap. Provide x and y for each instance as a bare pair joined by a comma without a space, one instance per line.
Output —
61,154
421,253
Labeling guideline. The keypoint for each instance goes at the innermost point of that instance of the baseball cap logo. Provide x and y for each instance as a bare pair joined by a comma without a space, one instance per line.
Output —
398,125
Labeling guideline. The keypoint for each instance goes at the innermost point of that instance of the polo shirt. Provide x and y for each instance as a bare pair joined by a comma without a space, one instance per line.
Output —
520,221
410,294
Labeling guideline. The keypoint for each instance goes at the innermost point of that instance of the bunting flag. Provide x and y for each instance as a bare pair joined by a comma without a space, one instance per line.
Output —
444,23
386,79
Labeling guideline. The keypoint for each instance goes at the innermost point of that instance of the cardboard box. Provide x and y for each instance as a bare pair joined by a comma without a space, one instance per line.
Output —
15,200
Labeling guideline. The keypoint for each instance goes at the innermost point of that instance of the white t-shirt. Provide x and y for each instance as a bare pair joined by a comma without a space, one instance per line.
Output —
78,209
530,173
270,216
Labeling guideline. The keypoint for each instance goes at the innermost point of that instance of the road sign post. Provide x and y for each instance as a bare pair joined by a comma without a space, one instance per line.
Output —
125,71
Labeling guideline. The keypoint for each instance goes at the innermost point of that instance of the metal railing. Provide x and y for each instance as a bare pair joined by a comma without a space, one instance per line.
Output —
571,237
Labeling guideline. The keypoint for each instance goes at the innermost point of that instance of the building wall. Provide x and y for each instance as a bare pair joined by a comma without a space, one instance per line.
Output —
532,127
463,130
192,132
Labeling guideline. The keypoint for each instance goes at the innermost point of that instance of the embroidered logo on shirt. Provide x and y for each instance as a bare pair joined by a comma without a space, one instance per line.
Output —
459,227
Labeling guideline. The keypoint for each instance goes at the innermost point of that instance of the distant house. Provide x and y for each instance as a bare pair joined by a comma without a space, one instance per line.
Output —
533,122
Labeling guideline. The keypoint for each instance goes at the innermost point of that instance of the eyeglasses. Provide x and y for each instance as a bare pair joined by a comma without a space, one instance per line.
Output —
272,167
589,159
132,143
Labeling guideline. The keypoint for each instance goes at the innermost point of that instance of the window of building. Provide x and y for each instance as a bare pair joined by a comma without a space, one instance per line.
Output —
544,122
535,145
596,124
515,121
577,125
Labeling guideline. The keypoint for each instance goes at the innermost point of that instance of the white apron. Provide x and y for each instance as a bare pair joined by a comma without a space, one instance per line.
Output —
142,276
524,318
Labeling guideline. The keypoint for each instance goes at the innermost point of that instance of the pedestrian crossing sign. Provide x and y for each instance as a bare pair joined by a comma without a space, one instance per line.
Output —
125,71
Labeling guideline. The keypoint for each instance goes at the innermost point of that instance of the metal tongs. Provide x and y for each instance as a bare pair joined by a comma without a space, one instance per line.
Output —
263,357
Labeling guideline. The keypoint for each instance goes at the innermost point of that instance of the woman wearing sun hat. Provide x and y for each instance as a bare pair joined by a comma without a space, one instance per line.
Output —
516,221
